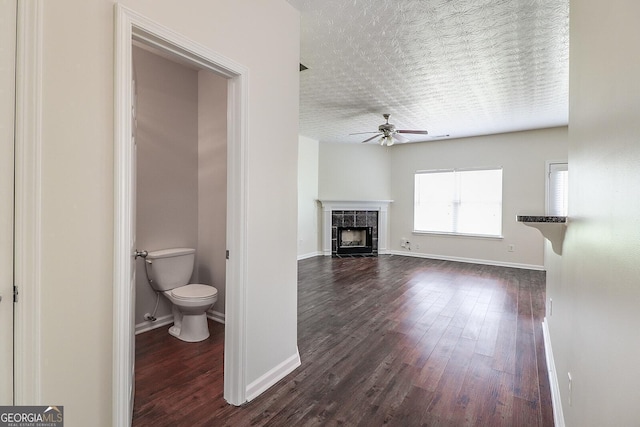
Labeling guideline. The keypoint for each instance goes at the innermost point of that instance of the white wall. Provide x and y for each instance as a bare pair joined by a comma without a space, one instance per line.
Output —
354,172
308,213
76,314
594,326
212,185
522,156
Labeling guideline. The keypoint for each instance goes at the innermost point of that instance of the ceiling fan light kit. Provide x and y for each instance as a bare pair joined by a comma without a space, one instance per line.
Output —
389,134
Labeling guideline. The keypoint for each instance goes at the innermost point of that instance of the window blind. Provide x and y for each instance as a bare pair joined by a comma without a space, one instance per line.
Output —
558,191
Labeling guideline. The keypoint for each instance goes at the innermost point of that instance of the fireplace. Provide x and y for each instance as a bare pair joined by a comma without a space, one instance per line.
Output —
354,214
354,240
354,233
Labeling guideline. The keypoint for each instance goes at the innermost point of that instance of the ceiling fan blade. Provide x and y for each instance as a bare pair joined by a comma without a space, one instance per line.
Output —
417,132
361,133
373,137
400,138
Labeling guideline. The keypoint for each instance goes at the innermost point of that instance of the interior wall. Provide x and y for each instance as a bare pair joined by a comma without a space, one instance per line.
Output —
212,185
354,172
77,198
167,165
308,213
594,326
522,156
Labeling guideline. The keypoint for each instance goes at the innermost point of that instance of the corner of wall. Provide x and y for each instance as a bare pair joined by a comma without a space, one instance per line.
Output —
558,415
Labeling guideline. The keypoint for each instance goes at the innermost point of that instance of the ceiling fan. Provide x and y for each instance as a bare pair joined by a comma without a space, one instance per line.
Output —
389,134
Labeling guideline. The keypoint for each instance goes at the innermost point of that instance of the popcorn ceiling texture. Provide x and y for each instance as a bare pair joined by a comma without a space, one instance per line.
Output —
458,67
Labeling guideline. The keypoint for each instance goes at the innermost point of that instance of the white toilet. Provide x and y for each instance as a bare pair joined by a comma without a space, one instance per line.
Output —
169,271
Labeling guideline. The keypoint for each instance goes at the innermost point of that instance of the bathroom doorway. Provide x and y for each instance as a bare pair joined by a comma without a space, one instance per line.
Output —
180,133
180,130
133,28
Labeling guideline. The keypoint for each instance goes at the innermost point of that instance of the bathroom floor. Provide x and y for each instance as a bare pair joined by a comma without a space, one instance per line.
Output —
175,379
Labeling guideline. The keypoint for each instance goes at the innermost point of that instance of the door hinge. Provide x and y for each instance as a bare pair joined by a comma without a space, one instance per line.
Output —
15,294
227,254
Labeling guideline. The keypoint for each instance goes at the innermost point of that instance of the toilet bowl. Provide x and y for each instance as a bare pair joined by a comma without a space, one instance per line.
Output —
169,271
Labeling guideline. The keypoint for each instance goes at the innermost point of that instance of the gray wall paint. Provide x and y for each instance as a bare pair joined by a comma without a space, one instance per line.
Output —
181,171
212,183
167,164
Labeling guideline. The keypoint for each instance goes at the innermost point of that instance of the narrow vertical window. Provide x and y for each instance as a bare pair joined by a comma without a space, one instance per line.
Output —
558,189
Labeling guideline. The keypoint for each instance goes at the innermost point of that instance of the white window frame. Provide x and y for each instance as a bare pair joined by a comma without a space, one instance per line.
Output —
550,166
454,233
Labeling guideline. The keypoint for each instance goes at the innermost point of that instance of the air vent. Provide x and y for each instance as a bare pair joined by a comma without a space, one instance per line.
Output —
302,67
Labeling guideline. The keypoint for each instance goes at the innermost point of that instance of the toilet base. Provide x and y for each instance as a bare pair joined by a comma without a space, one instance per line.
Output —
189,327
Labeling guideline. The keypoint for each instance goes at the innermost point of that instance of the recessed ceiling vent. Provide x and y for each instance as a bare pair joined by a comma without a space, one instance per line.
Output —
302,67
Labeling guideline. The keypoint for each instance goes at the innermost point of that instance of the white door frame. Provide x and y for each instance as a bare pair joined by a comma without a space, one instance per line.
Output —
8,21
132,26
28,204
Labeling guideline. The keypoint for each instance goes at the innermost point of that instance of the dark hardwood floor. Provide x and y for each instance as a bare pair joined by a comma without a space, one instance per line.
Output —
390,340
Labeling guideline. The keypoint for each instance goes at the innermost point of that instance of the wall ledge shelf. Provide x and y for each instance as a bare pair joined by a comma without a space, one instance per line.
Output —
552,228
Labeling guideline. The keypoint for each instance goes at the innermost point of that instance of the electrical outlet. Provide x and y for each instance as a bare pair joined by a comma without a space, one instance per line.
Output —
417,246
403,242
511,248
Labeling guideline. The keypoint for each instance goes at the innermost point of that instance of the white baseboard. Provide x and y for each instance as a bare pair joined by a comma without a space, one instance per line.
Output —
148,325
216,316
470,260
273,376
558,415
309,255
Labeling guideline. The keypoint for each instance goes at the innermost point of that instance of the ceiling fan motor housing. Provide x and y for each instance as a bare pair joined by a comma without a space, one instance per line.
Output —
387,128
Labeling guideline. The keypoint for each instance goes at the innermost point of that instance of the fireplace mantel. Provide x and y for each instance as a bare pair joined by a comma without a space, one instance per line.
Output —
382,206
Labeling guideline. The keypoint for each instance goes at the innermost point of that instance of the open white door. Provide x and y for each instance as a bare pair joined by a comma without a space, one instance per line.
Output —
7,121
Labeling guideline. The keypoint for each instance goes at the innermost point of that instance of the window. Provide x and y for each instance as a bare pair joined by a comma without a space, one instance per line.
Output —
459,202
558,189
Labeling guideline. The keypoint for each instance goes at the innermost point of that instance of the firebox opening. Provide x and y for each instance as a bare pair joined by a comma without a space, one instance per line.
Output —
353,240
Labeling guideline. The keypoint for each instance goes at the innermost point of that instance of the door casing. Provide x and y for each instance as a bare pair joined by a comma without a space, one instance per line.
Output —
131,26
8,22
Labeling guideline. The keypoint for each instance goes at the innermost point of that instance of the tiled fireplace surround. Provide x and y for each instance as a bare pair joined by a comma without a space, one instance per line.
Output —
349,213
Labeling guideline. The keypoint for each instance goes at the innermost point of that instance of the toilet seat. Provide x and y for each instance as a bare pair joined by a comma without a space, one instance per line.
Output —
194,292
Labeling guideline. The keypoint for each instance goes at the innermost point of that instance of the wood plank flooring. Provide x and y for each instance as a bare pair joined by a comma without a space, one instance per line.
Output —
388,340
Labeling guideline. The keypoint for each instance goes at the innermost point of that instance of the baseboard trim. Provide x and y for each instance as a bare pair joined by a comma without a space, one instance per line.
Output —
558,415
258,386
148,325
470,260
309,255
216,316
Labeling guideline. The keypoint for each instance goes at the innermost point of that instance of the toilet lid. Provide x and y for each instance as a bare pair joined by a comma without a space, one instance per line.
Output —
194,291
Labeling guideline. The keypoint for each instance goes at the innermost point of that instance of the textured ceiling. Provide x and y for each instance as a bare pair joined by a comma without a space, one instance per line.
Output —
456,67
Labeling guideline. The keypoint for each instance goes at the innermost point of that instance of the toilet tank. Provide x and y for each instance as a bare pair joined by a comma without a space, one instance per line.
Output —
170,268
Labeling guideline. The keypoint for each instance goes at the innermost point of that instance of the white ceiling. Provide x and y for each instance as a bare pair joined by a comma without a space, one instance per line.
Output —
456,67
